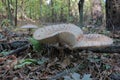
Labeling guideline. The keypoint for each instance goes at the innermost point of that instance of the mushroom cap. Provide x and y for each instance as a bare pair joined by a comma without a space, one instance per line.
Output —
29,26
72,35
93,40
53,33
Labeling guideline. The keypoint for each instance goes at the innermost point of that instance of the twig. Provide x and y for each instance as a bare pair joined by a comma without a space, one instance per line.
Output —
17,51
109,49
12,45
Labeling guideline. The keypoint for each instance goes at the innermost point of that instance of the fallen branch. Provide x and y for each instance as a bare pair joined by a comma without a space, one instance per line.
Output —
109,49
12,45
18,44
21,49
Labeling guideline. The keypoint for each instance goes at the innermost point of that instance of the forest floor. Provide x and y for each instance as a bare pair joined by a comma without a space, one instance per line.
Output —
51,64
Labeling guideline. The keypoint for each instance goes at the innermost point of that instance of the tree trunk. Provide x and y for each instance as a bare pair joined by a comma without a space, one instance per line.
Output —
113,15
80,6
69,11
9,13
61,14
40,8
16,13
52,10
97,15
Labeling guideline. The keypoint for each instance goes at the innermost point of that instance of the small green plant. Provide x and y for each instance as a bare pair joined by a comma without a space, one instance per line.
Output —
36,44
24,62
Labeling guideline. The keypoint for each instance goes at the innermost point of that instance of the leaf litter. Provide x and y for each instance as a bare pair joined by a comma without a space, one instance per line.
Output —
48,63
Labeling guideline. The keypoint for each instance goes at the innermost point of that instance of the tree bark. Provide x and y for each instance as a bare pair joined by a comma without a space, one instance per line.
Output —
113,15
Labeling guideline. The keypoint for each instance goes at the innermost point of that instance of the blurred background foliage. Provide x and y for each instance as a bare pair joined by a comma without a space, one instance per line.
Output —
47,10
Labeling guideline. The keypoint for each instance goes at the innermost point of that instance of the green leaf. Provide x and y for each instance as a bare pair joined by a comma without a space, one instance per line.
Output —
24,62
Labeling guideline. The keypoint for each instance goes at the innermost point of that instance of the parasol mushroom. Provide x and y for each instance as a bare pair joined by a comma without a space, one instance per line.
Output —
71,35
57,33
93,40
29,27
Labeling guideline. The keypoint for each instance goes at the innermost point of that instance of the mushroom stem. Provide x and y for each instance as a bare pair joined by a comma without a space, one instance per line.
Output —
29,32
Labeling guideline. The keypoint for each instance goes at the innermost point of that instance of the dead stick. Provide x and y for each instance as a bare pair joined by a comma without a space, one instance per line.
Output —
21,49
12,45
108,49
